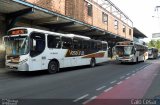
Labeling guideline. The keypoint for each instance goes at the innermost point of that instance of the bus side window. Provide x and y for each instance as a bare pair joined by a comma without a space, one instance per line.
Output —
133,50
66,43
54,41
93,45
99,45
104,46
37,44
86,45
77,43
137,48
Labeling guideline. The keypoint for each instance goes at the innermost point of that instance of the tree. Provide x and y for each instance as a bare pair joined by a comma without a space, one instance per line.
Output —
158,45
154,43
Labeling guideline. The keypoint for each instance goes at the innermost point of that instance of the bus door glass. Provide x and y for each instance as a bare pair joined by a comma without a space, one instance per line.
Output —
105,48
66,48
77,49
37,46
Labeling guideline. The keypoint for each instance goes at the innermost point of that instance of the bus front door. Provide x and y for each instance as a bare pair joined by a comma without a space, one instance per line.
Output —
37,51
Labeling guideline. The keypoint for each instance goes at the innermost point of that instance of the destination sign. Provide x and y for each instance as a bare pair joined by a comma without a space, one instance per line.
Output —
17,32
125,43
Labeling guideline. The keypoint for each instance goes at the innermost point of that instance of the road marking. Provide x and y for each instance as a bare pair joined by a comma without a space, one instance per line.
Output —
141,68
113,82
128,74
108,89
122,77
119,83
133,74
80,98
89,100
156,74
139,87
128,77
100,88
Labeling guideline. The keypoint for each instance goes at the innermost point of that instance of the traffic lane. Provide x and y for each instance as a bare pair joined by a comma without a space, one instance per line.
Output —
64,85
133,88
73,78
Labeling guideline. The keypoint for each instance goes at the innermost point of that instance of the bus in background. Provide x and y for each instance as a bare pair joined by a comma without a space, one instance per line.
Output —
152,53
29,49
128,51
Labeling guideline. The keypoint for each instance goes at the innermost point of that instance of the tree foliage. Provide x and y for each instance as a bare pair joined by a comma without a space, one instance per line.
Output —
154,43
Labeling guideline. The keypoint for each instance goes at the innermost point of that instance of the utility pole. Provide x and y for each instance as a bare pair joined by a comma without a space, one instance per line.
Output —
156,17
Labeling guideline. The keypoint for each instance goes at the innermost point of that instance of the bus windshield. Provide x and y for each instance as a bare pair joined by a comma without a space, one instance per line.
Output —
149,51
124,50
17,45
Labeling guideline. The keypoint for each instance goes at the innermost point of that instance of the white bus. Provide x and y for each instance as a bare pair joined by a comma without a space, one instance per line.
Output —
128,51
29,49
152,53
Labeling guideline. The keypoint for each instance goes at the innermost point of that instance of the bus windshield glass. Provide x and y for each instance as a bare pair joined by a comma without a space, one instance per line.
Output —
17,45
149,51
124,50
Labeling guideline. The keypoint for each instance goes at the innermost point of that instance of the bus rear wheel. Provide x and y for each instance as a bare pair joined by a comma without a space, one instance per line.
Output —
93,62
53,67
137,60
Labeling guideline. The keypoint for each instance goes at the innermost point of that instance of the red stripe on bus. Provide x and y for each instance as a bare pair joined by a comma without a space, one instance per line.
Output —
97,55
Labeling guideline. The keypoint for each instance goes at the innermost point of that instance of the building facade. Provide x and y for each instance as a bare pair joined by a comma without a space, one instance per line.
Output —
100,13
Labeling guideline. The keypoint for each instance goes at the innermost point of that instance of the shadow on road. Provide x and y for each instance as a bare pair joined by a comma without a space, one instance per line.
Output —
129,63
45,72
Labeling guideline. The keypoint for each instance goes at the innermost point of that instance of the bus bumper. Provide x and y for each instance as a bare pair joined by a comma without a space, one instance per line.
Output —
17,67
150,57
125,60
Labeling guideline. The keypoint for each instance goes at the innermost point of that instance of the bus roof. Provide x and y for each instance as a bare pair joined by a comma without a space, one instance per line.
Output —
152,48
73,35
124,43
54,33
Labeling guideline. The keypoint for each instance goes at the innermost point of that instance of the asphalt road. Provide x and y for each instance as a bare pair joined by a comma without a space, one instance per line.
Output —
71,83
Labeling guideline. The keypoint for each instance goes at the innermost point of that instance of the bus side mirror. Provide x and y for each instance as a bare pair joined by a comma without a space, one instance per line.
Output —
134,51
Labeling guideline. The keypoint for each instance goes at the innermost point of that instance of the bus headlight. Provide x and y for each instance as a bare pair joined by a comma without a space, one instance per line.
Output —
2,47
117,56
132,59
131,56
23,61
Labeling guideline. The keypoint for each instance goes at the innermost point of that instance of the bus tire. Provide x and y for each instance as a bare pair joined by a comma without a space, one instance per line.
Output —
53,67
122,62
137,60
93,62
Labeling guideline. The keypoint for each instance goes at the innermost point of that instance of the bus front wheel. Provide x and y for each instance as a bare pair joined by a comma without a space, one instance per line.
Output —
93,62
144,59
53,67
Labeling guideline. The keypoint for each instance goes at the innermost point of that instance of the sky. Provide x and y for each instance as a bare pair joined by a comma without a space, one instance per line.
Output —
141,12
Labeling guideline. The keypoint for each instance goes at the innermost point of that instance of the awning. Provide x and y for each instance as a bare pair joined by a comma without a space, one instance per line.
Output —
138,34
51,20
